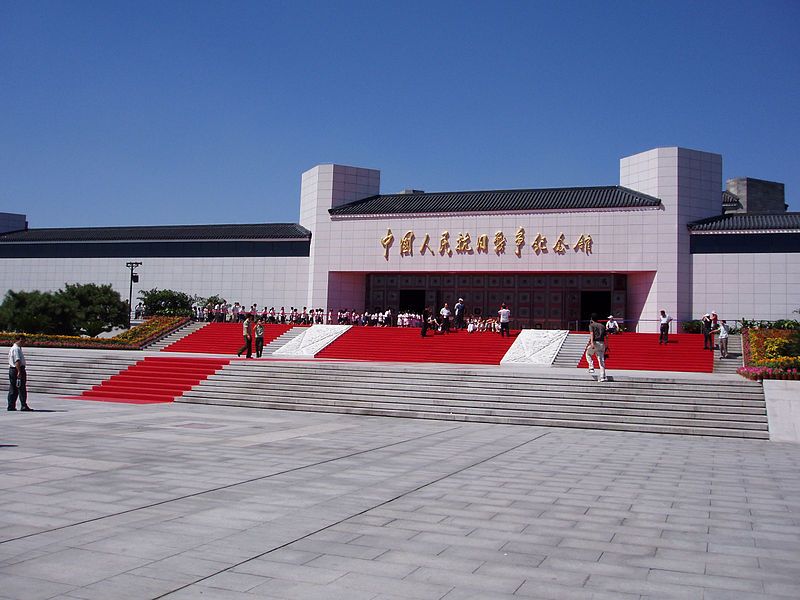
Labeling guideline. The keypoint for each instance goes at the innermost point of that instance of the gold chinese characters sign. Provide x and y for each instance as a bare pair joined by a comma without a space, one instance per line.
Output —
463,244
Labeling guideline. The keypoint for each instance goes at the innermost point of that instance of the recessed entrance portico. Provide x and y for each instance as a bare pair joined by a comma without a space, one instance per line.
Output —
537,300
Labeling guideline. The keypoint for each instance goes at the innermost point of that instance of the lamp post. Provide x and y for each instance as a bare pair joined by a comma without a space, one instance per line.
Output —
134,279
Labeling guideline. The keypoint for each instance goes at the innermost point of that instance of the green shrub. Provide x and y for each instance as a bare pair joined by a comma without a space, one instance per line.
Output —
166,303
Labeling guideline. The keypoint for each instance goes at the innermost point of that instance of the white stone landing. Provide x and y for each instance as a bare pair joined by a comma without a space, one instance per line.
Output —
535,347
311,341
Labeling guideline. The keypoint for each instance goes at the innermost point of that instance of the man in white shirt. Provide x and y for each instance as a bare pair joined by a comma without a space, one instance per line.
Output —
505,320
663,327
17,376
723,330
445,314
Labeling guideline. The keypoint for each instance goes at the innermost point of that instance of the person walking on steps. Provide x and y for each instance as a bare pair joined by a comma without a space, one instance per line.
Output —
248,339
663,327
17,376
596,346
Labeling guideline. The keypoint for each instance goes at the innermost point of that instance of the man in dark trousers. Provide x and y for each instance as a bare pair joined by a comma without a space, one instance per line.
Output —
426,319
706,327
458,310
17,376
248,339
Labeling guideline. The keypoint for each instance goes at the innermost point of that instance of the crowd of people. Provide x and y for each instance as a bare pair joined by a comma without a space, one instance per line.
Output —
442,321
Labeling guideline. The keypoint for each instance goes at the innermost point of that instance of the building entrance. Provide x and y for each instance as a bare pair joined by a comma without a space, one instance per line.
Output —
536,300
412,301
594,302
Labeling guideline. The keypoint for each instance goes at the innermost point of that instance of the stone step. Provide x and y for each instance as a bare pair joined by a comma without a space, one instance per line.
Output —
735,356
497,406
282,340
696,406
176,335
571,350
548,422
604,397
70,372
517,380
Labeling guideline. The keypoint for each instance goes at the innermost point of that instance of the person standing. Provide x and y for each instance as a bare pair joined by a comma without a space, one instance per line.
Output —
248,339
724,331
706,328
445,314
426,320
596,346
17,376
459,313
258,330
612,327
663,327
505,320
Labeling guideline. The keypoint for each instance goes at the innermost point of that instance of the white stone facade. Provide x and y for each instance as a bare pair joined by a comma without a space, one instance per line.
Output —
651,246
275,282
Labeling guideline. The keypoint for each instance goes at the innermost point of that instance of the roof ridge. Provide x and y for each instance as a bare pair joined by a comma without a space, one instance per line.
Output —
559,198
506,190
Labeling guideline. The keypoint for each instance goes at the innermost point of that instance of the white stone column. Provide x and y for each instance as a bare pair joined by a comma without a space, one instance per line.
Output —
689,185
324,187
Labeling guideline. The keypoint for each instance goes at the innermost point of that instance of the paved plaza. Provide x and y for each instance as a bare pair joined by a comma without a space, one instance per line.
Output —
116,501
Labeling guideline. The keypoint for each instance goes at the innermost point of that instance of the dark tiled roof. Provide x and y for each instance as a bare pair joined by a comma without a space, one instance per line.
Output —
580,198
749,222
255,231
730,201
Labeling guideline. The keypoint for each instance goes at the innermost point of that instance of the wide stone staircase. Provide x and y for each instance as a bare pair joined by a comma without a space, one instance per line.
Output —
708,405
70,372
176,335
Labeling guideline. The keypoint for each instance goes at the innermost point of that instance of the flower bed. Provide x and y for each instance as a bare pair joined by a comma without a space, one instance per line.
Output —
133,339
770,354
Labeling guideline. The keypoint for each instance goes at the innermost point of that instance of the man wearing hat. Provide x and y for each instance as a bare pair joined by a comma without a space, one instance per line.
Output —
458,310
706,327
611,325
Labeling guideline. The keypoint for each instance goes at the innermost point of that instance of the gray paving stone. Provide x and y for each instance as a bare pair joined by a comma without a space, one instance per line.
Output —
575,514
655,589
402,588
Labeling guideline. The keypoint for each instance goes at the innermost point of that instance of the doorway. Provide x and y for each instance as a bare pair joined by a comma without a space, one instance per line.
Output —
594,302
412,301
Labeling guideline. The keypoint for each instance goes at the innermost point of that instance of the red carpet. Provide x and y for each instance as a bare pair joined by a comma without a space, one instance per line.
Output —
222,338
405,344
642,352
155,379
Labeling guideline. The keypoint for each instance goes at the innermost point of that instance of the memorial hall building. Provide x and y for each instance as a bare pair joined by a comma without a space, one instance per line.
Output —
669,236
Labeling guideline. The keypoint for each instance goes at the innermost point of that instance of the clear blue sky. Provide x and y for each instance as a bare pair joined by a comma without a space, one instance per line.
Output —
175,112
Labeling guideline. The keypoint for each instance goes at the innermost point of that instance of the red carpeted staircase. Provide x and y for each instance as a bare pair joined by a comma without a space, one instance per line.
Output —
155,379
642,352
222,338
405,344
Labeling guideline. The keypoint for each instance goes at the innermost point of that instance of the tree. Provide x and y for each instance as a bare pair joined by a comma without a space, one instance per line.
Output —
166,302
98,308
210,301
38,312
